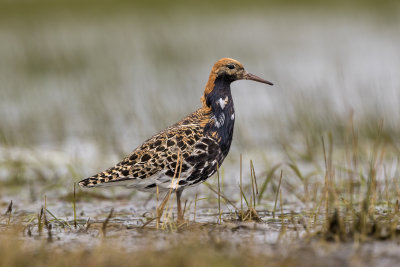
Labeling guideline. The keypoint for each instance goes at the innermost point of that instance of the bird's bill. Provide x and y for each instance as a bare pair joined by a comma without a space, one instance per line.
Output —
249,76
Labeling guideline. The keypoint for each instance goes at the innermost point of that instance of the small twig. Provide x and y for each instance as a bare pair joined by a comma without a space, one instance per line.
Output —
280,204
40,226
149,221
48,227
9,211
63,223
254,186
255,178
104,227
74,206
167,197
326,188
222,195
277,193
46,222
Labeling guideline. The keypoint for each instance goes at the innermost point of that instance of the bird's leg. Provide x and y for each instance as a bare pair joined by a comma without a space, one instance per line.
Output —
178,201
160,208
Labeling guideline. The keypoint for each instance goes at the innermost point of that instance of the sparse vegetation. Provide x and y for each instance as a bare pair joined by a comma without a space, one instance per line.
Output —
313,175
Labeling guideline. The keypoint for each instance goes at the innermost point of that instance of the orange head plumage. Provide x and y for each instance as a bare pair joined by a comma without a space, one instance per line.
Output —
230,70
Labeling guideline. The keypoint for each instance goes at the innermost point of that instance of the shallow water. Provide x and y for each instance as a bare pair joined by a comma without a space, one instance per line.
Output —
78,94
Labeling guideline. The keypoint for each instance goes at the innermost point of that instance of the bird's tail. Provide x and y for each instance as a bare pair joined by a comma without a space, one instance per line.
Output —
89,182
101,179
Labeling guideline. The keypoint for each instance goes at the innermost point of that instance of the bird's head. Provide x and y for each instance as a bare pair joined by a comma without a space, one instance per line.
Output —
228,70
233,70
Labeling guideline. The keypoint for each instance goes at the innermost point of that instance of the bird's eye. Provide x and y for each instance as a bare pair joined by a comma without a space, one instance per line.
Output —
231,66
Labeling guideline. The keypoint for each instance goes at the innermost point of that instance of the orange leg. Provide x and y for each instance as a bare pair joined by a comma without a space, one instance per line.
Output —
160,209
178,201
